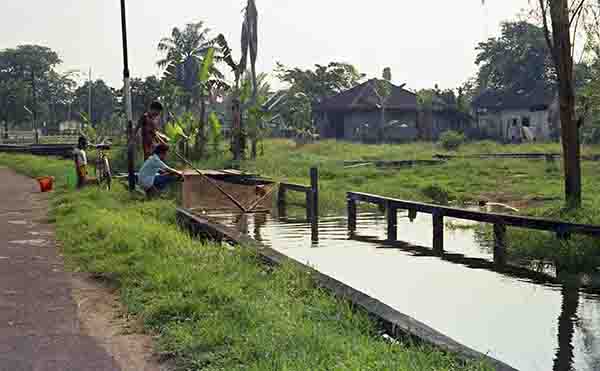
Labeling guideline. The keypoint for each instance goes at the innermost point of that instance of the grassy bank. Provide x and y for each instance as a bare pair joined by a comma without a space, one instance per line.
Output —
214,308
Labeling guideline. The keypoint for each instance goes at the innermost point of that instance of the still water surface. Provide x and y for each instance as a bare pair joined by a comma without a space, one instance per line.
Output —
531,325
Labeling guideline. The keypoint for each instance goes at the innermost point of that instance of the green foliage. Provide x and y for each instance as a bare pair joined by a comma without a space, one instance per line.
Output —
322,82
104,101
207,64
518,58
183,130
143,93
436,193
184,51
27,75
215,136
451,140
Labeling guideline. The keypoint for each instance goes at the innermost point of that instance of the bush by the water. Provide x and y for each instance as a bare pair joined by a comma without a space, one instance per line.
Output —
451,140
436,193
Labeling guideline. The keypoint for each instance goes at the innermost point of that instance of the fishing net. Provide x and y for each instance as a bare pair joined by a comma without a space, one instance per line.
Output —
253,193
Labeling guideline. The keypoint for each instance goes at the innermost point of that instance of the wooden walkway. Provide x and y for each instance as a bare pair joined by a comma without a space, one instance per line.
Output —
563,230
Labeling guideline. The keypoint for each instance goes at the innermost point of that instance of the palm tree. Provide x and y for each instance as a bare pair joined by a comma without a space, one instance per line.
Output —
184,52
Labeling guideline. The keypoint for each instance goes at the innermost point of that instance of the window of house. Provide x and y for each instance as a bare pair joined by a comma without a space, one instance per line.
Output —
526,121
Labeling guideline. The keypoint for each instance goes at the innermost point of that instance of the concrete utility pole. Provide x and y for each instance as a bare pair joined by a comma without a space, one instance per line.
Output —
127,95
90,96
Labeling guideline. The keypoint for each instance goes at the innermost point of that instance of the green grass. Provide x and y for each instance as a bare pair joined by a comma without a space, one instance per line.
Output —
210,307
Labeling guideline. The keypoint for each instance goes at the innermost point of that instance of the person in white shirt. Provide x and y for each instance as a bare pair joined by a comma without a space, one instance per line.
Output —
155,175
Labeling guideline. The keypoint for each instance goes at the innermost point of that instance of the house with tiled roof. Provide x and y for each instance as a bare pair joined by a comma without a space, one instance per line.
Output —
355,114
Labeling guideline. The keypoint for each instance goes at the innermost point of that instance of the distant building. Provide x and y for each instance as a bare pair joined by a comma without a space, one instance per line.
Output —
438,116
517,115
69,126
356,114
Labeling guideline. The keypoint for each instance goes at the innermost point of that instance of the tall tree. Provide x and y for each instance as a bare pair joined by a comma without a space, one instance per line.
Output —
322,82
184,52
249,46
58,92
30,63
143,93
104,101
518,58
561,19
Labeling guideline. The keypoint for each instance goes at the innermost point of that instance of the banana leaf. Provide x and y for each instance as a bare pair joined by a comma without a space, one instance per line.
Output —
207,65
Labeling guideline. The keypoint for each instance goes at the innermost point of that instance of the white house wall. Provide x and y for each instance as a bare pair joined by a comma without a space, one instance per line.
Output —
497,124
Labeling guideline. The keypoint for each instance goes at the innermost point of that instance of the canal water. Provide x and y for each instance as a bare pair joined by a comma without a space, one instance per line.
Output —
523,321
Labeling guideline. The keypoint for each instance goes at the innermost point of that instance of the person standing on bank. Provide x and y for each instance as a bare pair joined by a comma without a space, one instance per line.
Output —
149,124
81,163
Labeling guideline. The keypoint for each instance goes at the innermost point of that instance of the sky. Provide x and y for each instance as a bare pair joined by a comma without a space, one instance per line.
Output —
424,42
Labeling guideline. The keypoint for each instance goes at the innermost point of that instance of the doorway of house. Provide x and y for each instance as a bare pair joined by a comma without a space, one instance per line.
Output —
337,125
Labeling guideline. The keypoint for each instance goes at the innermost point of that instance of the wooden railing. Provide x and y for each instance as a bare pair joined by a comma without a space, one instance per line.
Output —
312,200
563,230
28,137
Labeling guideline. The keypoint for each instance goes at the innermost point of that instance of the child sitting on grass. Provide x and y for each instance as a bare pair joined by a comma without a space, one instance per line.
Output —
155,175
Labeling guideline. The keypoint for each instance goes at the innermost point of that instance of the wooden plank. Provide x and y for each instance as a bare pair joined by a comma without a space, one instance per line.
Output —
479,216
438,232
392,222
296,187
351,215
281,202
313,201
500,244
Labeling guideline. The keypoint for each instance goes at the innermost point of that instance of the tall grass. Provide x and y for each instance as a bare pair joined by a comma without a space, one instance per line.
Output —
212,307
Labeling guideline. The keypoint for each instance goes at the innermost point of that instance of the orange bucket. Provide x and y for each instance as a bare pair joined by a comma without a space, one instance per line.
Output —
46,183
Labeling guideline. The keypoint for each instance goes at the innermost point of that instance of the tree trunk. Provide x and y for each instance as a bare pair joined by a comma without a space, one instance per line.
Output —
254,148
566,327
200,138
243,138
236,130
380,132
559,11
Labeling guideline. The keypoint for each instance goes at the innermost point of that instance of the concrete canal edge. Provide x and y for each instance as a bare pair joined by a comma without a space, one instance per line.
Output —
397,325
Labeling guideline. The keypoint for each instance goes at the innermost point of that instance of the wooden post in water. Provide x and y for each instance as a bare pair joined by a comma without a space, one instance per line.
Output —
281,200
392,222
314,204
309,206
351,214
438,232
499,244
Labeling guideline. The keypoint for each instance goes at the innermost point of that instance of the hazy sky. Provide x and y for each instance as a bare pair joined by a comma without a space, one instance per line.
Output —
424,41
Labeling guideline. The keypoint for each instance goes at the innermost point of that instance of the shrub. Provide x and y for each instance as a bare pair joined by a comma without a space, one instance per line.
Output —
436,193
451,140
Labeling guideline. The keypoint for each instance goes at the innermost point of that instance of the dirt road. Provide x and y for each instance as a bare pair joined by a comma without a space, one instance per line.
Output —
52,320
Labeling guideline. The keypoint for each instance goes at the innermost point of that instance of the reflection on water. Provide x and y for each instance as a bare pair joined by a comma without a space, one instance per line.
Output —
526,320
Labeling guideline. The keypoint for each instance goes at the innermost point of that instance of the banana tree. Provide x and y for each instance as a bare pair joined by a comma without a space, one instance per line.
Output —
215,135
182,132
249,45
256,114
